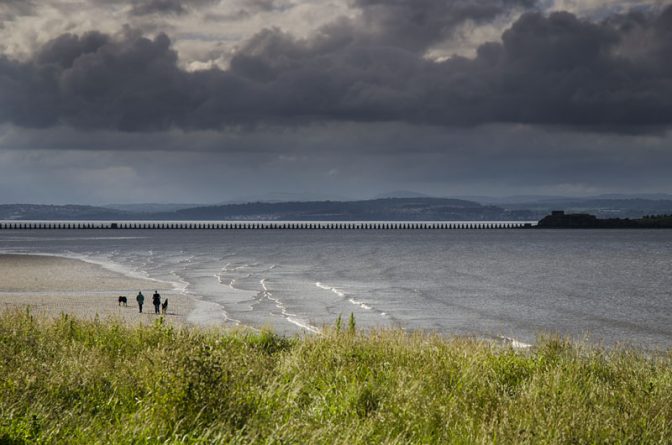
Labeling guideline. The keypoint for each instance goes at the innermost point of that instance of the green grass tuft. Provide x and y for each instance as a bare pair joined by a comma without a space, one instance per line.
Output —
87,382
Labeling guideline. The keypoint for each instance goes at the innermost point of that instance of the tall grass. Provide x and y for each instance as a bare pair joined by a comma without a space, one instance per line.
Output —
71,381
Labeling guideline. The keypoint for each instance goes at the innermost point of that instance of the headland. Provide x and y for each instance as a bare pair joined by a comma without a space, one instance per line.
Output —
561,220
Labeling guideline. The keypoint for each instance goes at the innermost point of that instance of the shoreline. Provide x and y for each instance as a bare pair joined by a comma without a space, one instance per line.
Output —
54,284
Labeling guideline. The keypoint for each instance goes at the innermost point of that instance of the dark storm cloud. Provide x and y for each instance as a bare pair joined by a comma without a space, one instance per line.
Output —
548,70
177,7
159,7
416,24
264,5
252,7
95,81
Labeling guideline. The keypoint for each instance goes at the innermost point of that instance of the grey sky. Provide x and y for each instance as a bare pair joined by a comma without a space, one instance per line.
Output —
208,100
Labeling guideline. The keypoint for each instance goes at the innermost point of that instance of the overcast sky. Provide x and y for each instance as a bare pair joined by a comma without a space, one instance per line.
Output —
123,101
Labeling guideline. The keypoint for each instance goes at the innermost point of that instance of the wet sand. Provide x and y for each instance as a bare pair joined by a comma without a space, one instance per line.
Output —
54,285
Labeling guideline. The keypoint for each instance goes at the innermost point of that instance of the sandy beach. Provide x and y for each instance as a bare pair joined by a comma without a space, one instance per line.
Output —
54,285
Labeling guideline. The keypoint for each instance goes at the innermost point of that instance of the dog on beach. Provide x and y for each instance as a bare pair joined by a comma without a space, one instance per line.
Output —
123,300
164,307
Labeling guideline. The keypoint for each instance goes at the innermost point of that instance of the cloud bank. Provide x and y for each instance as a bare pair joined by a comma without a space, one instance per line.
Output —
210,100
556,69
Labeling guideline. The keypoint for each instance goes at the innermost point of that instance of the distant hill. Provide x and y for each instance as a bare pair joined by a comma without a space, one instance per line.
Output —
60,212
279,197
382,209
150,207
402,194
404,209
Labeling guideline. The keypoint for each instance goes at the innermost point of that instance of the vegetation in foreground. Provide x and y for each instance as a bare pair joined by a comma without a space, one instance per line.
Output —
70,381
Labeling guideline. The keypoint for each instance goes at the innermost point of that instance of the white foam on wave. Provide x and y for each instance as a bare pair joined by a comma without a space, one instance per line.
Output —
225,281
283,310
188,259
516,344
332,289
205,313
303,325
342,294
360,304
227,267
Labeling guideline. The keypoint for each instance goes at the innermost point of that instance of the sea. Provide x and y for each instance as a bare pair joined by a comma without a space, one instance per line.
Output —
602,286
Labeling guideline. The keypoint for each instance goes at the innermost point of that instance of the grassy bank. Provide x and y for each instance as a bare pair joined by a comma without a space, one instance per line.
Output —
69,381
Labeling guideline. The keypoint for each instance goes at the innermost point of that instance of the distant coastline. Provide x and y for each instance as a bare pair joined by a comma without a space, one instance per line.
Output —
381,209
391,213
561,220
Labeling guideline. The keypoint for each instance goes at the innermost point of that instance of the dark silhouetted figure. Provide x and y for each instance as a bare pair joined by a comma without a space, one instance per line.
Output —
156,300
164,307
141,300
123,300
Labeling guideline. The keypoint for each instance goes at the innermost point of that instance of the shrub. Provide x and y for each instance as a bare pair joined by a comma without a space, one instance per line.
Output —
74,381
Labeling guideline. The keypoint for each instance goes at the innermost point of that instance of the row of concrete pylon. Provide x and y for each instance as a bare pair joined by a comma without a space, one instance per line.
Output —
265,225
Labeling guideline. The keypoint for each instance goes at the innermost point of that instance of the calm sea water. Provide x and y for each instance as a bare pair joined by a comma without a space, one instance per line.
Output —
613,286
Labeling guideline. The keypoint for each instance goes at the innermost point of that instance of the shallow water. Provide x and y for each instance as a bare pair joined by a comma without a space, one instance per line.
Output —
611,285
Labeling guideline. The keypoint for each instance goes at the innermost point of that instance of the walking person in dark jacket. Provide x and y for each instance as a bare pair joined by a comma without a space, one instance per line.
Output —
141,300
156,300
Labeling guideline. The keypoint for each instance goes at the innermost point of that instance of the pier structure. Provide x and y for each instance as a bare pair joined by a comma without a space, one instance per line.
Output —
263,225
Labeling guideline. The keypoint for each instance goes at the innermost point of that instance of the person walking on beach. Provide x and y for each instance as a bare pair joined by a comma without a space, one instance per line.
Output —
156,300
141,300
